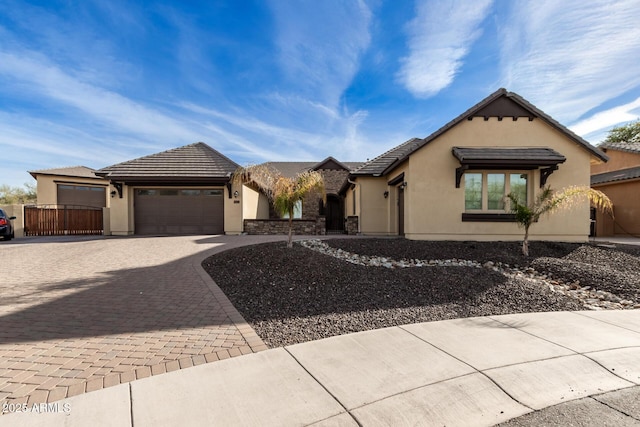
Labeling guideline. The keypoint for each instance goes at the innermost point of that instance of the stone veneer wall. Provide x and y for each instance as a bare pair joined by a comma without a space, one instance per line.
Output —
352,225
281,226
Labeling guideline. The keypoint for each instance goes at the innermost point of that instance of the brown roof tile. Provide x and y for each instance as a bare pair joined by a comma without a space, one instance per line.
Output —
630,147
613,176
192,162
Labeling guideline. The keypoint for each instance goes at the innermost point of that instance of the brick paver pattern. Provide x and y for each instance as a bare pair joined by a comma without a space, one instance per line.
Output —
77,316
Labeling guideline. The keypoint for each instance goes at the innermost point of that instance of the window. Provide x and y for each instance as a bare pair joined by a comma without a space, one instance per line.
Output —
472,191
297,211
518,185
486,191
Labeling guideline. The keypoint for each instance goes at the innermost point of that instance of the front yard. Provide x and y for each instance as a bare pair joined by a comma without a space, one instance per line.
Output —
296,295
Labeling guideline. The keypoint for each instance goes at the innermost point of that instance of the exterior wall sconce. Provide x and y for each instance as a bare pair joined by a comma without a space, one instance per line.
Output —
236,194
386,194
404,185
113,193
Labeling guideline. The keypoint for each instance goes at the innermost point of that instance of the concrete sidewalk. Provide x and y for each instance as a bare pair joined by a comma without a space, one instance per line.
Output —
477,371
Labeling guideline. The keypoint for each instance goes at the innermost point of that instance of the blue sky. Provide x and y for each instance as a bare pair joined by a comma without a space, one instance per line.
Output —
94,83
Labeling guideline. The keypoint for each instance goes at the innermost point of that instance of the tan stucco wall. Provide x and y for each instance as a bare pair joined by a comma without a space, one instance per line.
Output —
372,207
626,210
121,212
18,223
617,160
255,205
47,186
233,210
434,206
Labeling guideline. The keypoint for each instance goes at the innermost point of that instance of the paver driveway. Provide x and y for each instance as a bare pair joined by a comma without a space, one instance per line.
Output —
78,315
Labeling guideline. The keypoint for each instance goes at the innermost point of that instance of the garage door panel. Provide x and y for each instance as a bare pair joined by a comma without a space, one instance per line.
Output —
179,211
81,195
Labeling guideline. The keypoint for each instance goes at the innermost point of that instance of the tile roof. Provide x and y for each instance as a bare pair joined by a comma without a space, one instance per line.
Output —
613,176
189,163
380,164
75,171
291,169
534,156
500,98
630,147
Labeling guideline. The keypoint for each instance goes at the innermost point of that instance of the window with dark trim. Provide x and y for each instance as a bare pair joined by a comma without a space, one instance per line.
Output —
485,194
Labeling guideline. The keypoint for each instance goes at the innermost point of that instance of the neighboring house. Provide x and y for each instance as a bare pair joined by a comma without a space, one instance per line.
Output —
75,185
452,184
620,180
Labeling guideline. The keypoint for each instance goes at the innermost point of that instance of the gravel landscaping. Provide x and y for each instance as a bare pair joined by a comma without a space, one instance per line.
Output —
301,294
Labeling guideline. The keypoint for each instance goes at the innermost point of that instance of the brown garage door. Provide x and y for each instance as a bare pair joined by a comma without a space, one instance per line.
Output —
82,195
179,211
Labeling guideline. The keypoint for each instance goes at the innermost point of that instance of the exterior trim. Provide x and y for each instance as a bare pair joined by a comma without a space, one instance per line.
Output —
397,180
87,184
488,217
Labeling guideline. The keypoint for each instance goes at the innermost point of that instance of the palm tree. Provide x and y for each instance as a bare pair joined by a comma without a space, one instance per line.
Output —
283,193
547,202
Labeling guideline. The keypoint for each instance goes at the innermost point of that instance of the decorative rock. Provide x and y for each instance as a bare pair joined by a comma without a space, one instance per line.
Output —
591,299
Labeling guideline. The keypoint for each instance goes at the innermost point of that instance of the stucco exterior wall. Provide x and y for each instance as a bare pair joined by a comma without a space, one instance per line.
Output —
626,210
18,223
434,206
437,205
121,213
373,208
255,205
233,210
617,160
47,186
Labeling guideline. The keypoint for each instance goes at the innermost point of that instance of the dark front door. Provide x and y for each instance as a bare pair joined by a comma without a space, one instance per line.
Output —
334,213
400,211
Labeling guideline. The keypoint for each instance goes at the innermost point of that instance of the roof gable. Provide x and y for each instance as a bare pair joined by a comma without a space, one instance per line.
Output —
330,164
291,169
194,162
499,104
74,171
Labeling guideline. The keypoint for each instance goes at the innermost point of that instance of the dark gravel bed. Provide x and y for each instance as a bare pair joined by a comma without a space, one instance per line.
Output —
505,252
603,269
296,295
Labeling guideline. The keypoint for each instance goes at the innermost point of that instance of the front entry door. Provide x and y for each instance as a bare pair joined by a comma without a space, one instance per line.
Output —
334,213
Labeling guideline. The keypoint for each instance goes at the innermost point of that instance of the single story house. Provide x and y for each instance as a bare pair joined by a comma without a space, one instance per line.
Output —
450,185
620,180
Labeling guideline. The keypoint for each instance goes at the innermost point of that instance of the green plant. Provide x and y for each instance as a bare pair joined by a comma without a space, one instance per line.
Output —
283,192
548,201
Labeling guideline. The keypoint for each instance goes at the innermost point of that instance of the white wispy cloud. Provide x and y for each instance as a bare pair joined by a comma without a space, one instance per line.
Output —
440,36
571,56
320,44
595,127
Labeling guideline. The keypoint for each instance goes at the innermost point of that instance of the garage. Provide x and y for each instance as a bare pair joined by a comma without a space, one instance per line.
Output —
179,211
82,195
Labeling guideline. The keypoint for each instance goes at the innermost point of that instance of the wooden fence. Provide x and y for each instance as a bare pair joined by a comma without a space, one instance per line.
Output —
59,220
